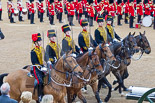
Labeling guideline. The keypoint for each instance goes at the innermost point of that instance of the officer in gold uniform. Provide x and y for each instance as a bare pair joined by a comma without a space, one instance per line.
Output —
52,49
85,40
100,33
67,42
111,34
37,59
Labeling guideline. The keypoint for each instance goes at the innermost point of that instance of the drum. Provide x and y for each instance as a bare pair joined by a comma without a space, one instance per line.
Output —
138,25
24,11
147,21
16,12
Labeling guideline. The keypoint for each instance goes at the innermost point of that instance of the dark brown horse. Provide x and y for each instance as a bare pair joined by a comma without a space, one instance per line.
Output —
90,62
144,45
65,66
124,54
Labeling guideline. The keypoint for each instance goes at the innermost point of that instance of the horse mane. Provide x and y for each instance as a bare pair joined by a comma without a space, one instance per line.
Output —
79,57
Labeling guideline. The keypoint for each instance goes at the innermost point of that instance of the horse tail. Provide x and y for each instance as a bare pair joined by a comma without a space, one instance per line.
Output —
1,79
25,67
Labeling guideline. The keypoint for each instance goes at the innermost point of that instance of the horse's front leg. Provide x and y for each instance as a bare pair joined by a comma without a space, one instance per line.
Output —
81,97
95,90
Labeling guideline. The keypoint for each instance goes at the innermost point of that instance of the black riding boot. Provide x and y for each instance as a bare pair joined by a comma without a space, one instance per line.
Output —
40,92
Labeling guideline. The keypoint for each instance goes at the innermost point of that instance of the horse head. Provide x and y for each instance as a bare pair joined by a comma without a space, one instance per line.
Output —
94,62
130,42
70,64
143,43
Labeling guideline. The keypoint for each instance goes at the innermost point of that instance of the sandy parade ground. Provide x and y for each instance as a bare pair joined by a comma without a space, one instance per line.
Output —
15,51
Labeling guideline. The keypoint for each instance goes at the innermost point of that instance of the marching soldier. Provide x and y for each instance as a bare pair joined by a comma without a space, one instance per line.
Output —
37,59
32,12
28,8
11,11
0,11
79,10
139,10
41,10
111,9
126,12
51,11
91,13
38,2
147,8
111,34
85,40
100,33
120,12
151,7
47,3
67,43
20,7
131,13
71,12
106,6
52,49
60,11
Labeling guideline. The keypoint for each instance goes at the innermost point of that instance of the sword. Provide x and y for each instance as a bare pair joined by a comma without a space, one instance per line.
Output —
57,42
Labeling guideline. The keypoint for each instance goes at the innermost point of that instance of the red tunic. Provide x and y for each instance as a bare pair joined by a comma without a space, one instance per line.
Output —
0,6
71,9
119,9
111,10
139,9
147,9
131,10
60,9
28,5
154,11
41,9
91,11
32,8
80,7
126,8
19,6
51,9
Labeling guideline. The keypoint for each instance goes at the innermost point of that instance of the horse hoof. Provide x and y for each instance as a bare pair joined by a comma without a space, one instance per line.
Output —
114,82
107,99
122,94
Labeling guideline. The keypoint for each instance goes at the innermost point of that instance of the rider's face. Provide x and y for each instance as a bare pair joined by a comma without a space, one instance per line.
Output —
109,22
85,27
68,33
52,38
100,23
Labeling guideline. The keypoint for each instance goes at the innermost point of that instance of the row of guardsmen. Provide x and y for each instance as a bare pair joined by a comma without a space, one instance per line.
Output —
90,8
85,41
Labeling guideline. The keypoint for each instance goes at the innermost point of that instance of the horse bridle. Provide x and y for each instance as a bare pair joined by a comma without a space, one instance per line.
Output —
142,45
64,60
102,51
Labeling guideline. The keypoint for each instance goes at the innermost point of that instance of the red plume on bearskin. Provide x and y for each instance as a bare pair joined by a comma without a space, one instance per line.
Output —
81,21
34,37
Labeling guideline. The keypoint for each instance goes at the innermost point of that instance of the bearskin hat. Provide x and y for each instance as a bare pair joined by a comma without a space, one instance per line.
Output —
111,1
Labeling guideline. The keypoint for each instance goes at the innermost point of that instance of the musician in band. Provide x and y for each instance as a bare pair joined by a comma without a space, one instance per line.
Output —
32,11
20,7
131,13
11,11
51,11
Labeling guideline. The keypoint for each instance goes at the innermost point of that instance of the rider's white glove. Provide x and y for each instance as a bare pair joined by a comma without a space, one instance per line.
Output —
114,40
81,52
90,49
49,62
73,55
44,69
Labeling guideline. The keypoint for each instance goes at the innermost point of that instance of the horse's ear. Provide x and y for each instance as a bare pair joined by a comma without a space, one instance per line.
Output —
140,33
133,33
129,33
144,33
